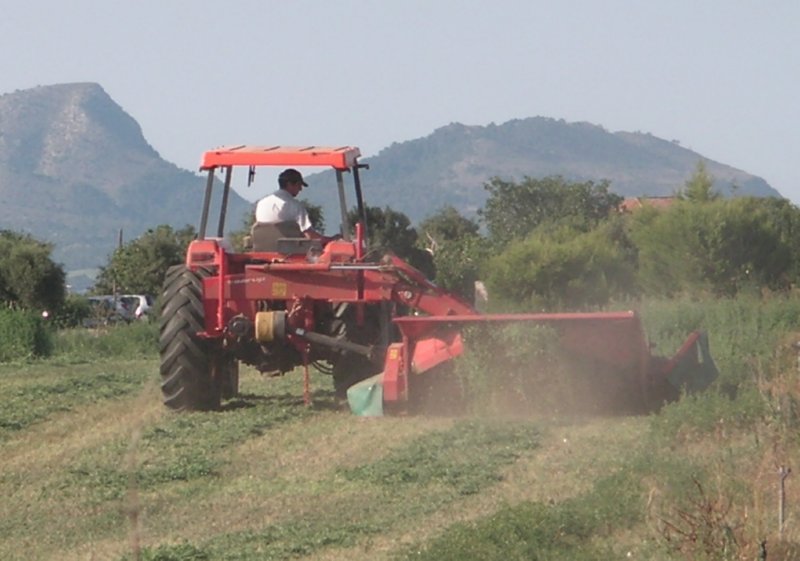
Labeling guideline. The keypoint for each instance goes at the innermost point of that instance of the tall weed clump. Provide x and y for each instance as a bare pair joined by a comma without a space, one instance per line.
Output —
746,334
23,335
134,340
744,331
742,430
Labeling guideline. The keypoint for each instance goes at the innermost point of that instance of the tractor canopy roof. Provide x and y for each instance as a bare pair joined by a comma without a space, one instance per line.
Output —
340,157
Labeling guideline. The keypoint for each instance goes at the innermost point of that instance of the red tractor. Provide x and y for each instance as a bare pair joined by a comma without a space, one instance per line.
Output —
289,301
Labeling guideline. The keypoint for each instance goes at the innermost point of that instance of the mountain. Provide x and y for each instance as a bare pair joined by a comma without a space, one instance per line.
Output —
451,165
75,168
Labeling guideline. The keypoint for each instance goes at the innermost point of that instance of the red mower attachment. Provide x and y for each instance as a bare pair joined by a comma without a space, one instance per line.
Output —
609,345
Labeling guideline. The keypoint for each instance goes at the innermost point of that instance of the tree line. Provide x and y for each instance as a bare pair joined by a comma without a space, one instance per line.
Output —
538,243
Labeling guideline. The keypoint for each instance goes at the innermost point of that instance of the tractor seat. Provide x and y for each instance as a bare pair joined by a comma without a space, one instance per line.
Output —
281,237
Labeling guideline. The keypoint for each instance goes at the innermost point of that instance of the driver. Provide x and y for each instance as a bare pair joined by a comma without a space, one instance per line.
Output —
282,205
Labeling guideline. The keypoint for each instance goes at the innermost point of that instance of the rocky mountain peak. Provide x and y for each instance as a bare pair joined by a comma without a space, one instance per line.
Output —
69,129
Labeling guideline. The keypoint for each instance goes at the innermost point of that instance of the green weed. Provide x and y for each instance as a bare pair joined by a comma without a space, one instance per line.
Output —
412,481
295,538
23,335
297,493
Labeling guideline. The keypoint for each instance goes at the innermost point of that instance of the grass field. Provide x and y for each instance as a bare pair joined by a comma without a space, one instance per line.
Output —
94,467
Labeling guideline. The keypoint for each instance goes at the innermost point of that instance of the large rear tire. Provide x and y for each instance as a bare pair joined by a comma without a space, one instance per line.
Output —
187,381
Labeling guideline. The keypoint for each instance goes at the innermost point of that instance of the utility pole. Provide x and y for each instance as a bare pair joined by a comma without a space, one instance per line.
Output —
114,273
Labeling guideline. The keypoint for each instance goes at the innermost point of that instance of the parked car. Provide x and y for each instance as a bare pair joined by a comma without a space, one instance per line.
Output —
106,310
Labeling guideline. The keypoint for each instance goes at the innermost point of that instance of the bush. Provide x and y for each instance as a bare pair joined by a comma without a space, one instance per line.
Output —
28,276
458,264
23,335
139,266
562,268
720,247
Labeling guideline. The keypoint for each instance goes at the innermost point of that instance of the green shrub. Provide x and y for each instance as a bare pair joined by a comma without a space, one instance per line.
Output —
29,278
514,210
23,335
458,265
139,266
722,247
562,268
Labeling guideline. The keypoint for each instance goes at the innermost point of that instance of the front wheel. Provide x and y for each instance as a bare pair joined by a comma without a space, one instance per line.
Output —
187,380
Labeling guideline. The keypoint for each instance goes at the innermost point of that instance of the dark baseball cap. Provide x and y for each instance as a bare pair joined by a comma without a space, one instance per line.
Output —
291,175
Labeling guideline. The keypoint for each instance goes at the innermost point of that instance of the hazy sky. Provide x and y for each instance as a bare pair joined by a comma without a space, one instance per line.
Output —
720,76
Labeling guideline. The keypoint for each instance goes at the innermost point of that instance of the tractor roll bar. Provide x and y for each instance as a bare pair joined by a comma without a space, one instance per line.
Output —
362,211
342,205
201,234
224,205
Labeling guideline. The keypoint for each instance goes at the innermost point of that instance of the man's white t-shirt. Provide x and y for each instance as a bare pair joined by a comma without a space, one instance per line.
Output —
281,206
